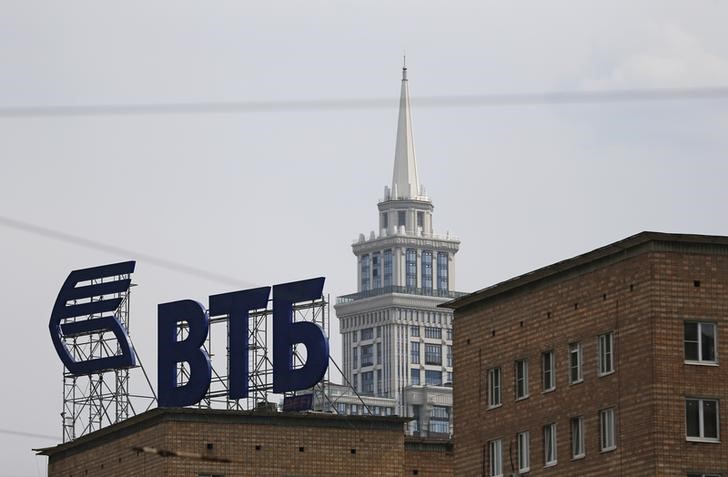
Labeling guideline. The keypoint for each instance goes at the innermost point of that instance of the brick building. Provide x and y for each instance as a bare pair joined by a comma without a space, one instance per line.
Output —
605,364
221,443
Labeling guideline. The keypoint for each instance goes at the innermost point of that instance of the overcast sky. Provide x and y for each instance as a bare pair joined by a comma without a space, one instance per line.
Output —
278,196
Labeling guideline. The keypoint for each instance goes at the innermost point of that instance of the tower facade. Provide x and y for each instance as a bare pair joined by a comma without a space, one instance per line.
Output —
397,344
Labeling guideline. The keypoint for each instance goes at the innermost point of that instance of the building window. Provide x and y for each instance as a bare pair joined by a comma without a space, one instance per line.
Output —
440,412
367,382
355,363
549,444
427,269
432,332
379,382
387,268
439,427
411,267
378,347
367,334
700,342
449,334
365,269
376,266
449,377
577,437
367,357
494,387
575,375
521,379
524,452
433,354
415,352
701,416
606,353
496,458
420,219
548,371
449,356
433,378
385,220
607,433
442,271
414,331
401,218
414,376
355,382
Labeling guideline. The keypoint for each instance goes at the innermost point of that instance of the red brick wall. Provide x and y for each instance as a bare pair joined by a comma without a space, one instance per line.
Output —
644,300
327,451
428,459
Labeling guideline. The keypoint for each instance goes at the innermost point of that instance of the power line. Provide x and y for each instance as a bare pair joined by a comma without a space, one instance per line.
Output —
27,434
124,252
325,105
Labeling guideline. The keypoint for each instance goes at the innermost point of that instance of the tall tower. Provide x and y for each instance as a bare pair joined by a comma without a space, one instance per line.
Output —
396,342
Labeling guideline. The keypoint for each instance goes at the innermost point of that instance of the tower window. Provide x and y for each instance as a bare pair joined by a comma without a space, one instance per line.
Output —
442,271
427,269
387,268
421,219
401,218
411,267
385,220
376,267
365,268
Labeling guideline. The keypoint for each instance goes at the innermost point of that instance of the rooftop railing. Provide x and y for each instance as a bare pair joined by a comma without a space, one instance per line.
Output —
399,289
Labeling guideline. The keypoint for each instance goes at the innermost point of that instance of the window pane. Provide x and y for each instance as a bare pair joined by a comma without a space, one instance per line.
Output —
523,452
691,332
691,341
710,419
433,378
692,416
414,376
707,336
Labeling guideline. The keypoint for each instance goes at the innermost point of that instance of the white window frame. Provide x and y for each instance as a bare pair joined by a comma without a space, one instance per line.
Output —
549,437
701,421
607,430
551,372
578,449
495,458
495,394
575,350
604,355
523,440
524,378
700,359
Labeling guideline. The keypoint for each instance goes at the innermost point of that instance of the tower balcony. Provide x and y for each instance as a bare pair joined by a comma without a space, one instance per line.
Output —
399,289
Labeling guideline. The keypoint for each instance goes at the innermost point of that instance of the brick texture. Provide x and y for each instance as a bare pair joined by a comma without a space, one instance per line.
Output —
643,296
272,445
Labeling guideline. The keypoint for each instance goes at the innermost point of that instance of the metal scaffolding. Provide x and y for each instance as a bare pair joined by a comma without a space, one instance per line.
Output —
93,401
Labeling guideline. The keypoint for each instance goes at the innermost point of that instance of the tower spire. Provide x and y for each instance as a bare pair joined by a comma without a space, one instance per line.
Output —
405,181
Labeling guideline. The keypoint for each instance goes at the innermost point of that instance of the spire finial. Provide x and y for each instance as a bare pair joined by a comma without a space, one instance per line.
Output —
405,182
404,66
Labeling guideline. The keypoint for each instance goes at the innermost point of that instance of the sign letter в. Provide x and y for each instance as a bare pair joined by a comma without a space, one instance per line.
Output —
170,352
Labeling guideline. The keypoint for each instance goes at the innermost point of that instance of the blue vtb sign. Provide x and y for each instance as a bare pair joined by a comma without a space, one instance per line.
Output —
171,351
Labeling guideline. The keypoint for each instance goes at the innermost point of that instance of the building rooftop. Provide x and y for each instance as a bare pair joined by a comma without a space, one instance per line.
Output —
620,250
158,415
